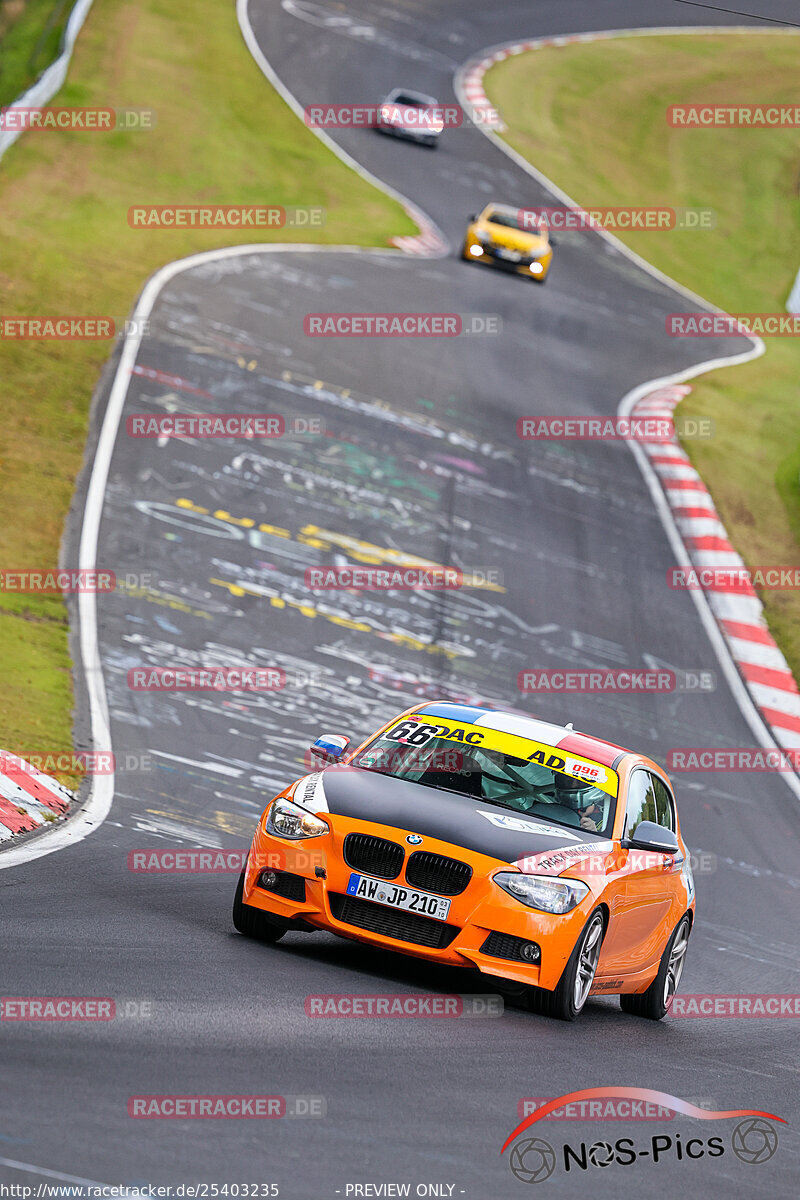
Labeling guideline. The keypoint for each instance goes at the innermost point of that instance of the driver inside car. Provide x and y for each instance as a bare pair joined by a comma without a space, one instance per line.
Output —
588,803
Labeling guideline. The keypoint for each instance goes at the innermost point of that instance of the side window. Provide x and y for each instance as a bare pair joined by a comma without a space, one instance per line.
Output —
664,804
648,800
641,801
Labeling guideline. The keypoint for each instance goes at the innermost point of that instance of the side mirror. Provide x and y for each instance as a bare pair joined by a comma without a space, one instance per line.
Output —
553,240
649,836
472,217
329,747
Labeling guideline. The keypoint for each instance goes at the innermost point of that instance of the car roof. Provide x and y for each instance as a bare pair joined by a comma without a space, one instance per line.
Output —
402,91
558,736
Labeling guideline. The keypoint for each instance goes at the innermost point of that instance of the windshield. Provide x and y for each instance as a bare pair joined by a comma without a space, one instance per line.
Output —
494,777
413,101
509,220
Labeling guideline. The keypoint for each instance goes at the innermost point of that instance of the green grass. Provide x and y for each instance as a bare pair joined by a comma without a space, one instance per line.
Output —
592,118
222,136
30,39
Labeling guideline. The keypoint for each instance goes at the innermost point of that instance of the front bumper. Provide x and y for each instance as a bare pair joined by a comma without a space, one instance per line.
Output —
492,257
410,132
317,885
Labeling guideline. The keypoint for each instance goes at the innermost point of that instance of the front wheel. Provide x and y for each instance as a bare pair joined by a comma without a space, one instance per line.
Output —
252,922
572,991
655,1002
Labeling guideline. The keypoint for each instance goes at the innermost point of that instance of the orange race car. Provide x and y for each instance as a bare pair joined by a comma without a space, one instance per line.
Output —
484,839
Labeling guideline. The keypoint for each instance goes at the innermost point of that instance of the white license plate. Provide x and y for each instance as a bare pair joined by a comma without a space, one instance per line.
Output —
394,895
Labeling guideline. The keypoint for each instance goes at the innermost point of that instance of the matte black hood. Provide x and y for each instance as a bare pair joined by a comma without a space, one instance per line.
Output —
462,820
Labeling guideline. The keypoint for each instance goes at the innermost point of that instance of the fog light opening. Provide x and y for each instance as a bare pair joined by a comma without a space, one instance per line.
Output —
476,251
530,952
537,268
268,879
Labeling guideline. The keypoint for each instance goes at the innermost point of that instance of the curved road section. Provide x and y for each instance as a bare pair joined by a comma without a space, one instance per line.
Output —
396,450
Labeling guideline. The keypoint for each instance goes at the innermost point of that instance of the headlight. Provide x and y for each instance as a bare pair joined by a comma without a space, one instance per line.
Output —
542,892
481,236
289,820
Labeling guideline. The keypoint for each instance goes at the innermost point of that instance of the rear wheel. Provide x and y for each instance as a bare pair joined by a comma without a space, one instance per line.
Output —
252,922
654,1003
572,991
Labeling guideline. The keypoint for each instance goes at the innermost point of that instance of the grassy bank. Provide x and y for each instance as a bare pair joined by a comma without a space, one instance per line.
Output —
30,39
222,136
592,117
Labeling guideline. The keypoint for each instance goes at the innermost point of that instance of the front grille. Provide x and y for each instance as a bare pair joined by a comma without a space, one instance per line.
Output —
291,887
391,922
505,945
375,855
495,252
435,873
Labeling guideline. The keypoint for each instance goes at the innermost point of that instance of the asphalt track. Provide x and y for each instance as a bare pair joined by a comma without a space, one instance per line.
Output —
421,457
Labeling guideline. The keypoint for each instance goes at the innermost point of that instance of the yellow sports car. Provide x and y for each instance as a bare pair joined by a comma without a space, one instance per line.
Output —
500,237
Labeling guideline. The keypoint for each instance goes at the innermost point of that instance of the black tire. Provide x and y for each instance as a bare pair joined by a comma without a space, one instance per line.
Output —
252,922
562,1002
655,1002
